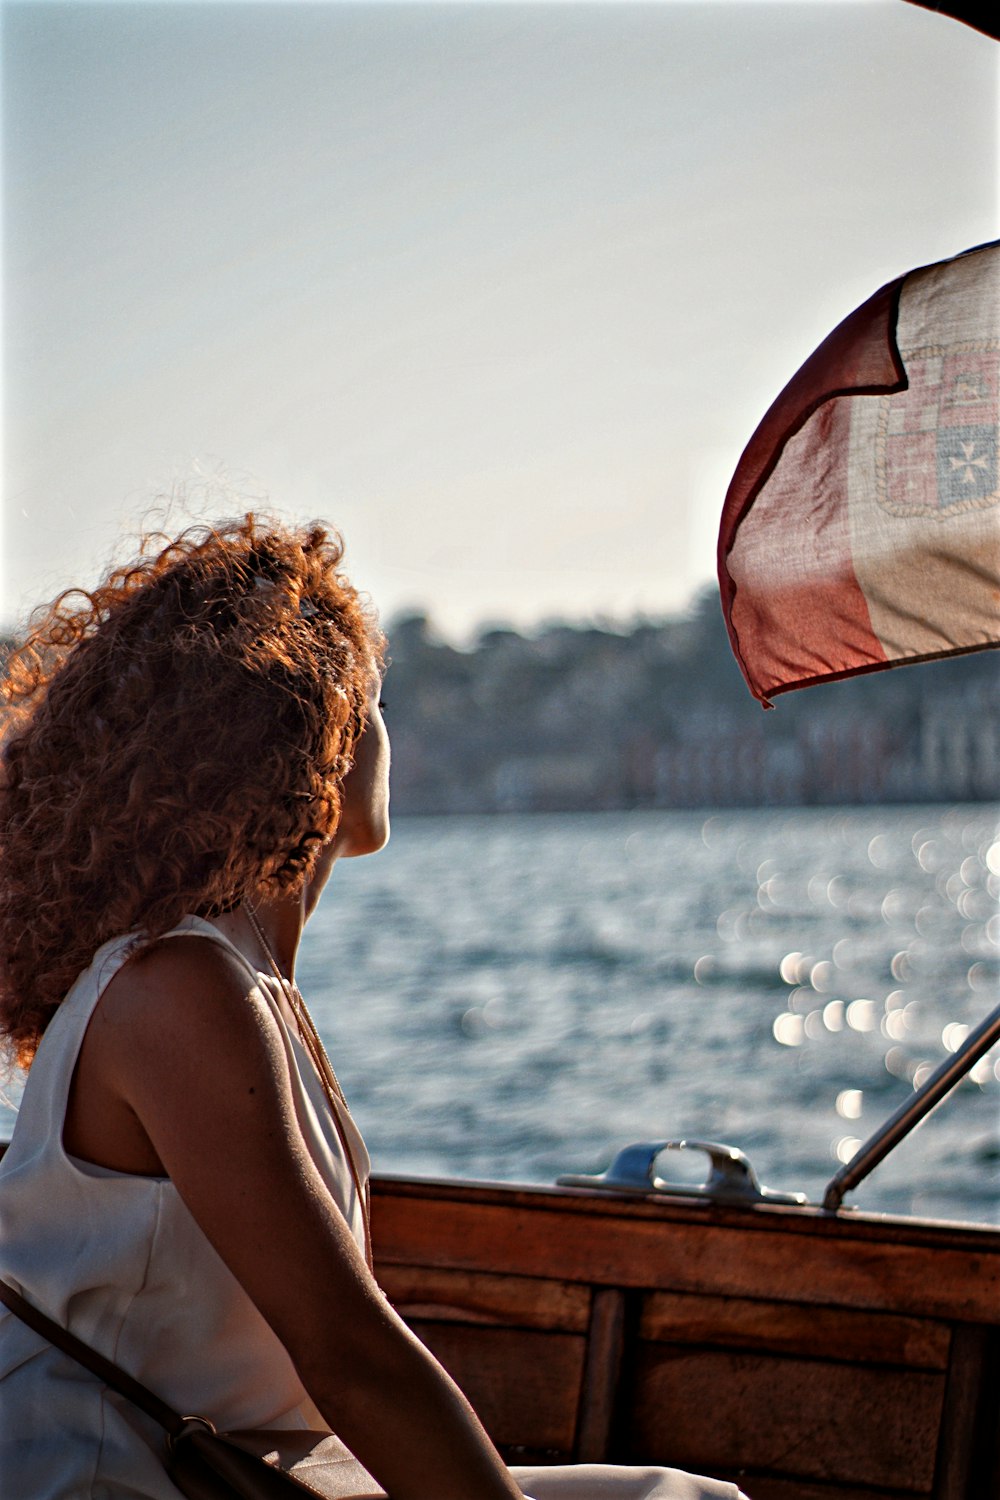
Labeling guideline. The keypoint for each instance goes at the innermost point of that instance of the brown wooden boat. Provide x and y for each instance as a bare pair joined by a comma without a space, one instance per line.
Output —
808,1355
810,1352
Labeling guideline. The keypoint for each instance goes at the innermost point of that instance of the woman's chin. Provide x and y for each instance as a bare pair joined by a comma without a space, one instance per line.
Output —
367,839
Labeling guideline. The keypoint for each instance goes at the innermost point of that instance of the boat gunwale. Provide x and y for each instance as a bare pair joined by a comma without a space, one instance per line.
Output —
805,1218
795,1256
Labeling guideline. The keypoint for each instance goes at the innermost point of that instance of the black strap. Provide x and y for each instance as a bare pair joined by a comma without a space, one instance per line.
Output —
96,1363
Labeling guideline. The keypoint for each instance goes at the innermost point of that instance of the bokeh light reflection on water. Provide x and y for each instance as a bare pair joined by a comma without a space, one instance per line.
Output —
511,998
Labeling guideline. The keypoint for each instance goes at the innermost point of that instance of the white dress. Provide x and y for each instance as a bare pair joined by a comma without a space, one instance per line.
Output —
120,1261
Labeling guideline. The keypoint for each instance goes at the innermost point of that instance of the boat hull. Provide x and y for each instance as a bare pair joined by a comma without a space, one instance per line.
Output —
810,1356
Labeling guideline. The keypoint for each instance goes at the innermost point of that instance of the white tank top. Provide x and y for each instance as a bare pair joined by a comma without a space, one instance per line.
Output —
120,1261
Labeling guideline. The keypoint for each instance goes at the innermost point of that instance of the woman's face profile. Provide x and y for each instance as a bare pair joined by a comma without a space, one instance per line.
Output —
364,816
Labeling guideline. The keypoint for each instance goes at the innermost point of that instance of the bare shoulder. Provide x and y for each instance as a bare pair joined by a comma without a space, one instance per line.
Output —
182,982
184,1017
176,964
179,1042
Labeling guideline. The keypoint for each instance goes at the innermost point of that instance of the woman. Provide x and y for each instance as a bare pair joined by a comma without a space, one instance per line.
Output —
188,751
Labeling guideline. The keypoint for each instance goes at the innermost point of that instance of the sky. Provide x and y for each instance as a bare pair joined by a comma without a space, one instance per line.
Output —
499,290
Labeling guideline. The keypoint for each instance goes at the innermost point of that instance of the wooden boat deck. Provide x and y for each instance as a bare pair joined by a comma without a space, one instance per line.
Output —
806,1355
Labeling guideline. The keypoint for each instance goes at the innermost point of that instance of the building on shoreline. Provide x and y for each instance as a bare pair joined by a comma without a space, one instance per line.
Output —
657,715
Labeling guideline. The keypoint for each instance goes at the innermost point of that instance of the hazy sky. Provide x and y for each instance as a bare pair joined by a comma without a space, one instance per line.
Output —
500,290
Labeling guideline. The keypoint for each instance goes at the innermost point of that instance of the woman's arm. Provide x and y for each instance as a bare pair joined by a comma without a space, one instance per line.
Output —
195,1053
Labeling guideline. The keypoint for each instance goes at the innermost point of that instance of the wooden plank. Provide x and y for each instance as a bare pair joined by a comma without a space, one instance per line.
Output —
481,1297
692,1254
784,1327
794,1418
524,1385
807,1220
966,1377
601,1377
986,1443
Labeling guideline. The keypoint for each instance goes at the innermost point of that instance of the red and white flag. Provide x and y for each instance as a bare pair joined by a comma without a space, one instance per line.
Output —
862,526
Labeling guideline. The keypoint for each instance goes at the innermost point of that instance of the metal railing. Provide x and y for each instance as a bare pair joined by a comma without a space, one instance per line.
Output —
944,1078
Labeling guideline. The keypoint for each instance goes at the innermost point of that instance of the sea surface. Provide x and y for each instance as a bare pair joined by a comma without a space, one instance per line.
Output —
512,998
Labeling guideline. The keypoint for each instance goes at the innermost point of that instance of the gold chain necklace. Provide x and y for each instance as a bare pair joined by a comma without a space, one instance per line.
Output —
310,1039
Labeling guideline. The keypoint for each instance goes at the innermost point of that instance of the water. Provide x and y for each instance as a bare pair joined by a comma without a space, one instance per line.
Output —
513,998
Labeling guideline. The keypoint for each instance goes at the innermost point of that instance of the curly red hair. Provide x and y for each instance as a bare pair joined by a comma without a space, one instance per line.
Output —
173,742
